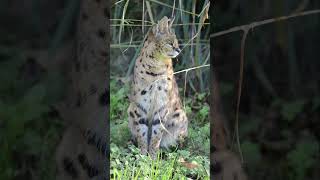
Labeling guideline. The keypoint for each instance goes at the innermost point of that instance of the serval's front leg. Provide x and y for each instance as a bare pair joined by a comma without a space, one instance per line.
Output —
156,136
138,125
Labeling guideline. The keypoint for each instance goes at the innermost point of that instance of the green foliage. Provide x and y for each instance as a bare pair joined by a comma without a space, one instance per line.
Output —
199,139
302,158
118,102
204,112
130,164
119,133
290,110
25,126
251,152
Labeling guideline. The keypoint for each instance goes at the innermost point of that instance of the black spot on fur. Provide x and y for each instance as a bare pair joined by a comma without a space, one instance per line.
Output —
104,53
176,115
91,138
143,92
138,115
141,108
141,72
154,131
216,168
213,148
82,159
150,87
143,121
154,74
69,168
84,16
94,139
104,98
144,133
106,12
93,89
155,122
159,88
101,33
80,100
92,171
104,149
169,79
131,114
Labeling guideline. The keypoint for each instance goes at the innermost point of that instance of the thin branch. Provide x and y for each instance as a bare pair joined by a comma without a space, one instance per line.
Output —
168,5
189,69
174,6
260,23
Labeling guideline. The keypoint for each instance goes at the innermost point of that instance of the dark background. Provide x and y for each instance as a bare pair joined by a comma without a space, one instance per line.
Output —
32,35
280,103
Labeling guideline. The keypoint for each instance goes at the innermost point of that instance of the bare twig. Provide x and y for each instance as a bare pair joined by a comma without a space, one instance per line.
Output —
196,67
260,23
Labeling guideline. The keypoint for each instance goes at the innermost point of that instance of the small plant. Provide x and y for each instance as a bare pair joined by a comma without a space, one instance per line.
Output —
130,164
302,158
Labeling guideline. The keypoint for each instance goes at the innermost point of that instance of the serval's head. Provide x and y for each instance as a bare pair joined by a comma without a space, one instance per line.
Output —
166,41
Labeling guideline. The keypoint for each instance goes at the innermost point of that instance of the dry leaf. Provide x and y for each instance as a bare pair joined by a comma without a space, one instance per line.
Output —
187,164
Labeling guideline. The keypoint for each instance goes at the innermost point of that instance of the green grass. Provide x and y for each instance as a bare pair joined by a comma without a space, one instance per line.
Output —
130,164
126,160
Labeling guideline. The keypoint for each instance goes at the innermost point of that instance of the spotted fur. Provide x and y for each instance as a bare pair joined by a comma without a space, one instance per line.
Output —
156,117
82,154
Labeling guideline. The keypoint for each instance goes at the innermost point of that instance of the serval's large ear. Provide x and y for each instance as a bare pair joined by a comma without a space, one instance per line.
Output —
155,30
162,27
